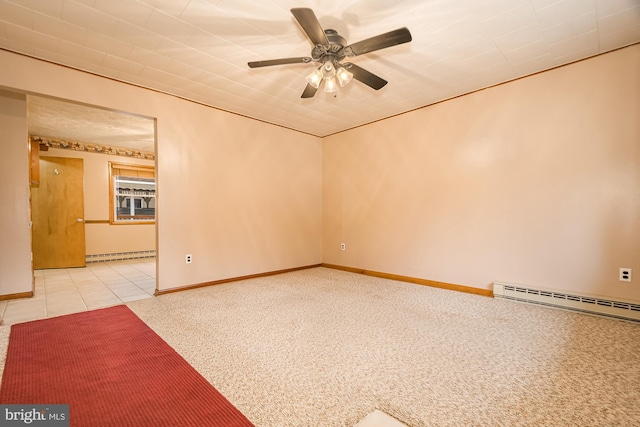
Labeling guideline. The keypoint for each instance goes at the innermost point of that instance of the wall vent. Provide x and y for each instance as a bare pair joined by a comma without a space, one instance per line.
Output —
587,304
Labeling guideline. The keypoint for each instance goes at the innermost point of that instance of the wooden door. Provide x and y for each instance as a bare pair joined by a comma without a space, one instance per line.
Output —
57,210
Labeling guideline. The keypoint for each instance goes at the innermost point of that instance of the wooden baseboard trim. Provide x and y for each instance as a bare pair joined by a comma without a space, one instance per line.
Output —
416,280
17,295
232,279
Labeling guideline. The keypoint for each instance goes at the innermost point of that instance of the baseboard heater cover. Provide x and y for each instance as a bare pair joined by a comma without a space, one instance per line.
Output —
587,304
120,256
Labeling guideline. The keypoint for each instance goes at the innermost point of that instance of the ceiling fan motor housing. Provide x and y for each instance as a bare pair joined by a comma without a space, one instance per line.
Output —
335,48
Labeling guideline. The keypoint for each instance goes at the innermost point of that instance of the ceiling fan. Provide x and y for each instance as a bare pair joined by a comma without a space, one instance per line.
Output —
329,49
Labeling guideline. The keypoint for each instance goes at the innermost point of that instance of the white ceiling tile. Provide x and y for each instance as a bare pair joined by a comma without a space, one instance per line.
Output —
156,75
577,55
488,9
49,7
135,13
540,63
463,29
540,4
489,76
564,11
444,70
172,7
27,36
87,17
88,55
15,45
183,69
137,36
620,21
610,7
525,53
571,28
522,37
123,65
487,59
148,58
617,39
585,42
170,27
510,20
88,58
16,14
90,3
59,29
436,17
177,52
199,49
108,45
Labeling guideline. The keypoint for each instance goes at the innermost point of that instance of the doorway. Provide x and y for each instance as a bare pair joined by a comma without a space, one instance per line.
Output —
71,220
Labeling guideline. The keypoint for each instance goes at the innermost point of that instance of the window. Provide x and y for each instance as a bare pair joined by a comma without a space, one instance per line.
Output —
133,194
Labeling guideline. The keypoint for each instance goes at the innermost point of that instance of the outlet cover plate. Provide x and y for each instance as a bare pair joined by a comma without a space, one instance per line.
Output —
625,274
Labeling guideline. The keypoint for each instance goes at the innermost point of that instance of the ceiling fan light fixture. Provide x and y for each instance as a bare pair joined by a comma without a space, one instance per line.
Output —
315,78
329,48
343,76
330,84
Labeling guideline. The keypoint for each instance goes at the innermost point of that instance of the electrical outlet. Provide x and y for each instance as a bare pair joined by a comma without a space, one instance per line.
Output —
625,274
188,258
343,246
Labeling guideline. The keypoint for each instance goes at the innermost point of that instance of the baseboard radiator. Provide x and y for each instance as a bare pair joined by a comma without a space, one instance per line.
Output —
120,256
586,304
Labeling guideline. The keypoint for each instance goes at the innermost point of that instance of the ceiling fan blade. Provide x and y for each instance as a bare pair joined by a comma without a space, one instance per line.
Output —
310,24
392,38
309,91
270,62
365,76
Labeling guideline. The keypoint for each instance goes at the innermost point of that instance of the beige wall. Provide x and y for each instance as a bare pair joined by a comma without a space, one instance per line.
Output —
15,235
106,238
225,187
534,182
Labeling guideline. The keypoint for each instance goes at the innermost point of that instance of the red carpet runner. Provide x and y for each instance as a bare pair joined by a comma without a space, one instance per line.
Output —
112,370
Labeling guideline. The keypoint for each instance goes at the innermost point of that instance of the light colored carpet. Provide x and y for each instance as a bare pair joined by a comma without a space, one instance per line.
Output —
323,347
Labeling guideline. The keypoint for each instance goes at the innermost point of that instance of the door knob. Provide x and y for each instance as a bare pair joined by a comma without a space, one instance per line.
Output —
79,220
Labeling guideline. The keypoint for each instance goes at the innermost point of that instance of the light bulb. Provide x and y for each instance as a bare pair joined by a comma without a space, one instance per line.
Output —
330,84
344,76
315,78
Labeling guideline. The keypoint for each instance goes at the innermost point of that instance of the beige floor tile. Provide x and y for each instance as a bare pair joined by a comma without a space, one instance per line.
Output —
126,291
88,286
25,303
103,304
102,292
61,293
136,297
16,313
99,297
64,309
65,304
65,291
